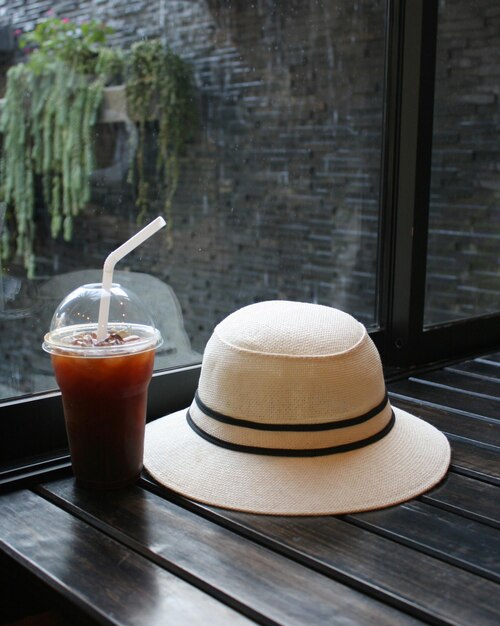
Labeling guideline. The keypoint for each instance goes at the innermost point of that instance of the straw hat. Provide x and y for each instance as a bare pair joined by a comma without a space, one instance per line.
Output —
291,417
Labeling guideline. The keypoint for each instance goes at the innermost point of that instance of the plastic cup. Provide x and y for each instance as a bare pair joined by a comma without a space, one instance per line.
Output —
104,387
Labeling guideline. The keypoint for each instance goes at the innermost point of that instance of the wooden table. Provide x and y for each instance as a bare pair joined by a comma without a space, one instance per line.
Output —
146,556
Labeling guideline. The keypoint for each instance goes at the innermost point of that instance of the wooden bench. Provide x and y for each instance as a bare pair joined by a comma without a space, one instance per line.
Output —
147,556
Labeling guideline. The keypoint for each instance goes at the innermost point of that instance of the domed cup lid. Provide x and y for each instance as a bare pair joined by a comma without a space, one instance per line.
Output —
73,329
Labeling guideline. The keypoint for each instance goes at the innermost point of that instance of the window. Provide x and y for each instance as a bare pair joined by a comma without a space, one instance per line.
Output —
463,278
316,174
278,194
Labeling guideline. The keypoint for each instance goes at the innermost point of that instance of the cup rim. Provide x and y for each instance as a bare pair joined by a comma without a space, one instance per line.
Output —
54,342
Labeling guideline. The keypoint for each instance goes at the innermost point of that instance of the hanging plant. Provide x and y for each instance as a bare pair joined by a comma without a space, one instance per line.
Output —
159,88
50,108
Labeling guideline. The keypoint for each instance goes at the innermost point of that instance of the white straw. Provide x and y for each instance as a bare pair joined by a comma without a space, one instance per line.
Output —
109,265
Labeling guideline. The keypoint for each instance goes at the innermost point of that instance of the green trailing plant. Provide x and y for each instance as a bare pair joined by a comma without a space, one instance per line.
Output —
159,88
50,107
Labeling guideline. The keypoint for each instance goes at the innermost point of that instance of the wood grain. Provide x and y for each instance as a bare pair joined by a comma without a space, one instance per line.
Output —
477,368
470,428
448,398
476,461
242,571
493,358
464,383
467,497
435,590
464,542
105,579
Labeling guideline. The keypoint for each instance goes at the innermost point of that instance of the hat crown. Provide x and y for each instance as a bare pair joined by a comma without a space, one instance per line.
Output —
285,362
290,329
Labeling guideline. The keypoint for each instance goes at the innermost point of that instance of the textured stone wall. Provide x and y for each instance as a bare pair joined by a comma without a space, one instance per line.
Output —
464,245
279,189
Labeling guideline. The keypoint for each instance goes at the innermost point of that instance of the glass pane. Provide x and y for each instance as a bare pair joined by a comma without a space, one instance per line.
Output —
278,194
463,277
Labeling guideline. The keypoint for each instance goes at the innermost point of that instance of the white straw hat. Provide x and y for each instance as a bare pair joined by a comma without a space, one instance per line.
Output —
291,417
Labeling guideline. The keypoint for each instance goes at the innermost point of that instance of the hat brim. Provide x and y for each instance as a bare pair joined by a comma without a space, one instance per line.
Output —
408,461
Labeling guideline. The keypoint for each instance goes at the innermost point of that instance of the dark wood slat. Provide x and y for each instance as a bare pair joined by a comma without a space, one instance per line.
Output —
485,387
472,460
451,422
448,398
458,540
445,594
282,590
27,601
33,472
495,358
477,368
469,497
102,577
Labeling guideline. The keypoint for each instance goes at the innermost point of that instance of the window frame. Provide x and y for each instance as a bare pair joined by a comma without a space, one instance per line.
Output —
402,340
405,199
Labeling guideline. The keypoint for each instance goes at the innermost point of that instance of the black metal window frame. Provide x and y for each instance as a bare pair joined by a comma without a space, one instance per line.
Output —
32,434
407,160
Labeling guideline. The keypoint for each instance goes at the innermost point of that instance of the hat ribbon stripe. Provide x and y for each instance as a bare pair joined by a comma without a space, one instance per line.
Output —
292,452
316,426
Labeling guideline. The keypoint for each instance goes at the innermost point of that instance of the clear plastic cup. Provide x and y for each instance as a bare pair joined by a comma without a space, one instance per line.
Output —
103,384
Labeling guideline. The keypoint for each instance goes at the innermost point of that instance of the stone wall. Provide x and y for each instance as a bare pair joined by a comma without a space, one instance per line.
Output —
279,189
464,244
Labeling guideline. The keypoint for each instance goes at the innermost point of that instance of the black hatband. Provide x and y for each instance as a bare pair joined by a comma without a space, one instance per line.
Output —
317,426
292,452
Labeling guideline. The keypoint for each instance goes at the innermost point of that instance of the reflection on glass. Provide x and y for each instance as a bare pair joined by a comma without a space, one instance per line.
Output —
463,271
278,191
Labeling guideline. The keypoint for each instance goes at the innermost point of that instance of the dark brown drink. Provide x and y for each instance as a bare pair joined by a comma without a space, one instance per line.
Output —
104,401
103,370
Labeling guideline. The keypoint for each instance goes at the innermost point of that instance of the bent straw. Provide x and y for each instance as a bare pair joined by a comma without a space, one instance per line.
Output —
109,265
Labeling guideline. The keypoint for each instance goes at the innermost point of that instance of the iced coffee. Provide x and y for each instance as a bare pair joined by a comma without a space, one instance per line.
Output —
104,383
